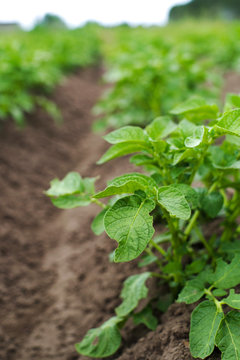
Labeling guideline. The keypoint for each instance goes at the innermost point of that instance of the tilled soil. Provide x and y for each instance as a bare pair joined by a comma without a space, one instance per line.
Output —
56,280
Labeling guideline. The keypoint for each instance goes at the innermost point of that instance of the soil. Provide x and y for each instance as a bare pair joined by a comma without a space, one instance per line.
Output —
56,280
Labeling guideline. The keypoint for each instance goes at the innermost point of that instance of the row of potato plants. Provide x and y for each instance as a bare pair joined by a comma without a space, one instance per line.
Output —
177,62
32,63
189,179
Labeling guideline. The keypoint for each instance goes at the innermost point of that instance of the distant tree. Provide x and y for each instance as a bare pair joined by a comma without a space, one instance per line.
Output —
51,21
229,9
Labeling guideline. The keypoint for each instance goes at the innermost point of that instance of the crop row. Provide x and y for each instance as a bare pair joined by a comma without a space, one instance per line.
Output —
32,63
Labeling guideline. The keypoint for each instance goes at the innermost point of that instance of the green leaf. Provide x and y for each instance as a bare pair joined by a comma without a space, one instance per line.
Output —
232,101
147,260
122,149
72,191
125,134
192,291
231,248
212,203
72,183
186,128
174,202
129,223
233,300
229,123
190,194
195,266
71,201
182,155
101,342
160,127
196,138
146,317
227,275
205,322
228,336
127,184
140,160
97,225
196,108
219,292
164,302
134,290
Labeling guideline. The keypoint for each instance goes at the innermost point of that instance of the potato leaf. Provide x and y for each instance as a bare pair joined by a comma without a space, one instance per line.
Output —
72,191
71,201
211,204
196,138
174,202
205,322
71,184
146,317
134,290
196,108
233,300
227,275
160,127
121,149
129,223
126,133
228,336
97,225
229,123
127,184
190,194
192,291
101,342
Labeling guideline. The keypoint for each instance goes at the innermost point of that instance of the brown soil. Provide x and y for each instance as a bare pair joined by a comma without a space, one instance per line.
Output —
56,280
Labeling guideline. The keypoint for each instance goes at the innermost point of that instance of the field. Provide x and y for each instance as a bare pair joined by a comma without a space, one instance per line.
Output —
57,279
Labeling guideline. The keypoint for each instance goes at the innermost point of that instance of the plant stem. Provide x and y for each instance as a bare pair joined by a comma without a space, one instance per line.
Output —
205,243
231,220
191,223
197,213
99,203
217,303
158,248
158,262
160,276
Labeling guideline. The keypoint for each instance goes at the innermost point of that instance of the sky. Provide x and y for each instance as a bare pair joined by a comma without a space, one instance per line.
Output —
77,12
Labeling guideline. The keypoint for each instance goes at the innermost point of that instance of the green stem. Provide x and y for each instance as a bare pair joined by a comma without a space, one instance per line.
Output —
160,276
99,203
230,224
196,167
197,213
158,262
191,223
205,243
217,303
158,248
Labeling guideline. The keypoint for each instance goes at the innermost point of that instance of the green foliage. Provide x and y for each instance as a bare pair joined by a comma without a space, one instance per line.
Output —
146,317
228,339
129,223
133,291
205,322
101,342
179,62
177,155
209,324
33,63
72,191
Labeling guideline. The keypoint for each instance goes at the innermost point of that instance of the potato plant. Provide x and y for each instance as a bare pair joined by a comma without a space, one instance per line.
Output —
190,179
33,63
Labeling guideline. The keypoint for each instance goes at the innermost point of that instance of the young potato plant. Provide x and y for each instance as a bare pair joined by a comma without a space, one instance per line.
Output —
193,180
